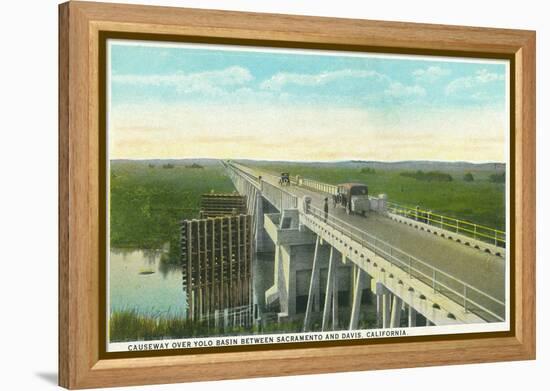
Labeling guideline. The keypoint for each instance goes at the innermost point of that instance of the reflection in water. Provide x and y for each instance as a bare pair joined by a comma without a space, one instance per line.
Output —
139,281
152,255
166,269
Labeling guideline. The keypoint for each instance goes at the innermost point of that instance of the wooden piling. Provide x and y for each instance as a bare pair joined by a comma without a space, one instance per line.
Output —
216,264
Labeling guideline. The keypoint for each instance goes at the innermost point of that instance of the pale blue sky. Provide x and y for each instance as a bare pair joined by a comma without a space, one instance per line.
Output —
371,107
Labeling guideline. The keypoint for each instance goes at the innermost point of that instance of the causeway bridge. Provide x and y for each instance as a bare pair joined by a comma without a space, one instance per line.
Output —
412,262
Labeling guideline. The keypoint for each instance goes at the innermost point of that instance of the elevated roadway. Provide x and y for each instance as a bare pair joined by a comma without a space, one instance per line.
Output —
481,274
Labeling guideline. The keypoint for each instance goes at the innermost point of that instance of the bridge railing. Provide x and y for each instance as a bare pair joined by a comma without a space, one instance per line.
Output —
318,186
237,168
471,298
280,198
466,228
251,173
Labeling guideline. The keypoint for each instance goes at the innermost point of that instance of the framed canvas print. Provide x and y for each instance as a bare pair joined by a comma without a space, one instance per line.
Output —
248,195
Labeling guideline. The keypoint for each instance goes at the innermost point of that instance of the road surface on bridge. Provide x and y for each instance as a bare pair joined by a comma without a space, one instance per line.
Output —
483,271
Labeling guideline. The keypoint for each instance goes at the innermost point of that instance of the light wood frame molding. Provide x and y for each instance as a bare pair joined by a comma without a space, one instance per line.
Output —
80,23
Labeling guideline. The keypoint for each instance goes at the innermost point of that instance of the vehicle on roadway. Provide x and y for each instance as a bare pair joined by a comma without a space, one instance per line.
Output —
284,180
354,197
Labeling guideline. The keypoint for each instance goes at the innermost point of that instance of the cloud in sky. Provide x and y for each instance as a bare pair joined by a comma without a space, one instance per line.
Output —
430,74
399,90
209,82
282,79
468,83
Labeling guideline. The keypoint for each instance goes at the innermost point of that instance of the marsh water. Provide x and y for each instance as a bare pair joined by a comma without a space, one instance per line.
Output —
139,281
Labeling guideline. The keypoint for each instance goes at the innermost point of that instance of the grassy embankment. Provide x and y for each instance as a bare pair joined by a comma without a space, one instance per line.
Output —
131,325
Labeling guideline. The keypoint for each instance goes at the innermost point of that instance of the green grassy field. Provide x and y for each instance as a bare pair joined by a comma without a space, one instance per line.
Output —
148,202
131,325
480,201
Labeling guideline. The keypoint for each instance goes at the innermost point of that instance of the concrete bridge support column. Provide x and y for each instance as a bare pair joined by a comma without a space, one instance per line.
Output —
329,291
293,258
291,287
259,221
317,287
397,306
378,306
263,243
383,305
357,292
412,317
313,294
335,309
280,288
386,309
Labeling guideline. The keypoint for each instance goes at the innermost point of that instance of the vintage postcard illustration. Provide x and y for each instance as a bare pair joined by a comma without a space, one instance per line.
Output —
260,196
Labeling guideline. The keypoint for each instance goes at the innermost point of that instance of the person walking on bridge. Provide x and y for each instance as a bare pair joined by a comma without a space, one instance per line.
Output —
326,209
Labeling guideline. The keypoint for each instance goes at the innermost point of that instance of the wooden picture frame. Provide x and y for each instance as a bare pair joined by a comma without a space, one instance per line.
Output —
81,24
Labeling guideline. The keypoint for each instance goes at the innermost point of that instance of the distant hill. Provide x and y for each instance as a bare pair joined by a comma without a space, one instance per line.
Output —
426,165
409,165
193,163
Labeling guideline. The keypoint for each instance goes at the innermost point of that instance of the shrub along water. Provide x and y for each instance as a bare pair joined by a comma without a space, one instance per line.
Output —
435,176
132,325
